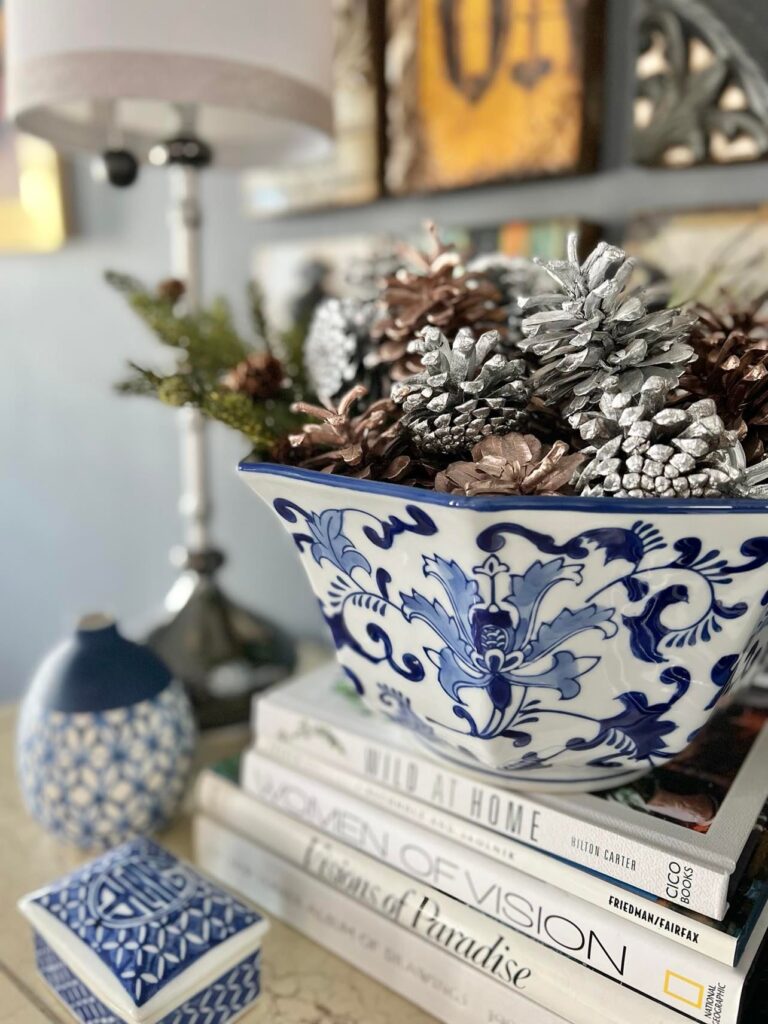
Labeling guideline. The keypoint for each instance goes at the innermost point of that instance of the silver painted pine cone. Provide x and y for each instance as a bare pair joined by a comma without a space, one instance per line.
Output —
661,452
336,345
596,333
467,391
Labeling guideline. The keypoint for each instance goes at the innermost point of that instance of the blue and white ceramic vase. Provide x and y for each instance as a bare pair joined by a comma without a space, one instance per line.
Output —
561,643
105,739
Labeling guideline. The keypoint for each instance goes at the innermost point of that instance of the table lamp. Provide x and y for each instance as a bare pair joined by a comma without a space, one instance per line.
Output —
183,84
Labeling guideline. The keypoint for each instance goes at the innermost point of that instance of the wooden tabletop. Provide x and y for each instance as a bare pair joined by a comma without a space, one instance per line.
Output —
302,983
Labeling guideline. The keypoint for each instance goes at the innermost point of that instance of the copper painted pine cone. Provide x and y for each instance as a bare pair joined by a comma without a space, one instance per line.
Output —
731,366
513,464
439,292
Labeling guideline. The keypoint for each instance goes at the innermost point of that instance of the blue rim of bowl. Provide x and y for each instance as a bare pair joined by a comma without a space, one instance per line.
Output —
565,503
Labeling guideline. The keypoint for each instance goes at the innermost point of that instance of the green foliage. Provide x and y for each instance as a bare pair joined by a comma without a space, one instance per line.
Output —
207,340
142,382
209,346
263,423
287,345
292,354
258,316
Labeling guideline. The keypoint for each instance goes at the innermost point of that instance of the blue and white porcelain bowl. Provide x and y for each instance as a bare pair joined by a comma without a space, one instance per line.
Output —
560,643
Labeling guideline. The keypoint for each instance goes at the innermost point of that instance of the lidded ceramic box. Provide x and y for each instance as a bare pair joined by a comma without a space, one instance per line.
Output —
138,936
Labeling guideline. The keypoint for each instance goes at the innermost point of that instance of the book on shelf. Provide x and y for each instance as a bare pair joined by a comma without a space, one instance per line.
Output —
649,983
683,834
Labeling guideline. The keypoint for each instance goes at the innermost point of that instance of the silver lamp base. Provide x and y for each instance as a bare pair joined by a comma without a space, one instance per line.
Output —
222,652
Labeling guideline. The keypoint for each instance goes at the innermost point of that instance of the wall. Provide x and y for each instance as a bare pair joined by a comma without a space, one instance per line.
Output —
89,480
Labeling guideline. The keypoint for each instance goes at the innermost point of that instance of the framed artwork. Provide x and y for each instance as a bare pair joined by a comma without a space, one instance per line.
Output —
704,253
352,173
295,276
701,92
480,90
31,199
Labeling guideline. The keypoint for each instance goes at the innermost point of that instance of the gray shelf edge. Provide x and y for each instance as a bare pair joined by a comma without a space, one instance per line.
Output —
603,197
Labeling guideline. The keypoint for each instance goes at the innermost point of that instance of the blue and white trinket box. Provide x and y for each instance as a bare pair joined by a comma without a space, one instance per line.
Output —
138,937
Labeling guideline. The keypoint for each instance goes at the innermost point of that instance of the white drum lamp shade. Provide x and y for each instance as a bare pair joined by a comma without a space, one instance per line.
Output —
90,74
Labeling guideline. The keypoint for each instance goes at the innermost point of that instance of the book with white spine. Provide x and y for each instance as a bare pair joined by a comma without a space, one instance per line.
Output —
407,963
558,982
617,950
709,938
692,862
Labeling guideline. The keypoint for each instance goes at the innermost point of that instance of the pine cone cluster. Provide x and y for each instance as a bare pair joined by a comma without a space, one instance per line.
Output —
259,376
494,377
658,451
512,464
594,332
337,345
731,366
434,289
466,391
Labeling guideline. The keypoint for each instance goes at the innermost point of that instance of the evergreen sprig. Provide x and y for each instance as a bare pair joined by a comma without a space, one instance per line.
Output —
208,339
259,321
209,346
263,423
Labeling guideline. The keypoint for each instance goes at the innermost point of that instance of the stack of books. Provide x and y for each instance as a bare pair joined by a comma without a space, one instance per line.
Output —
646,903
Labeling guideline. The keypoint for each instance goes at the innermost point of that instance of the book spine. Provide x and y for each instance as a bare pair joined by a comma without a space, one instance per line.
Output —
642,864
422,973
617,949
602,892
347,876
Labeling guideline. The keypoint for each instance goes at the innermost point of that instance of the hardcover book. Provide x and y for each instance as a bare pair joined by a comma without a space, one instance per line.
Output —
683,834
621,950
453,991
650,984
722,940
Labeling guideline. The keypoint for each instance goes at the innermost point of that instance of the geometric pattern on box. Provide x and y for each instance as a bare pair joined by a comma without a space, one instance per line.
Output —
68,987
215,1004
147,916
98,778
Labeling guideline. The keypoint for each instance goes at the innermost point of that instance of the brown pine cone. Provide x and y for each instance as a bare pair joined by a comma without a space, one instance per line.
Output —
259,376
438,292
513,464
368,446
171,289
731,366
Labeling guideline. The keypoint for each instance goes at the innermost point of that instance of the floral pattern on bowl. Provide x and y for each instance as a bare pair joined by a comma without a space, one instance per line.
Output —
547,642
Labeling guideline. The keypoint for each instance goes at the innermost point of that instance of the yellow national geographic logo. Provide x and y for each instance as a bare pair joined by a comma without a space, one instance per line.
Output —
679,987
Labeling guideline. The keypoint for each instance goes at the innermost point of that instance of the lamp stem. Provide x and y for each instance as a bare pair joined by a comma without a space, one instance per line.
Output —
185,220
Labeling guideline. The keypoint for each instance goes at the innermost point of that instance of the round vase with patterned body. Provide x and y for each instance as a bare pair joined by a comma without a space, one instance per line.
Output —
105,739
554,643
